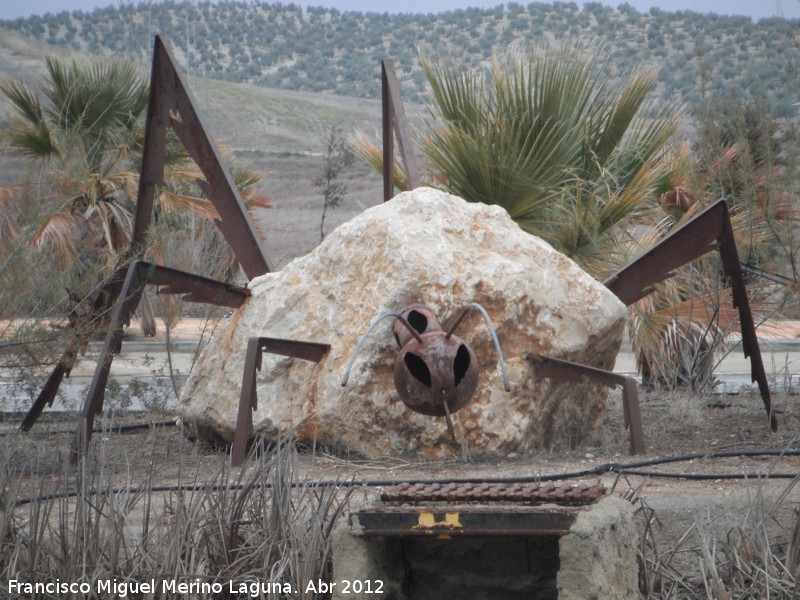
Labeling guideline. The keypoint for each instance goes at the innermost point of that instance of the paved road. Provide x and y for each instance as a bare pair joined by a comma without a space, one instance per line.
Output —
145,360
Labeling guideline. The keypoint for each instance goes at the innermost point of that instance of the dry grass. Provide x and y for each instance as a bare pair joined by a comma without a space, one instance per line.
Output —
114,519
229,528
757,559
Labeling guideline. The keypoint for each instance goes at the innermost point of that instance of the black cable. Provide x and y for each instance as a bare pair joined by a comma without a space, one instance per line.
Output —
102,428
773,277
704,455
621,468
708,476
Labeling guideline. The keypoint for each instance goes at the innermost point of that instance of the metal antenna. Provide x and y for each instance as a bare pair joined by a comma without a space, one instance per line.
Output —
450,424
363,339
506,383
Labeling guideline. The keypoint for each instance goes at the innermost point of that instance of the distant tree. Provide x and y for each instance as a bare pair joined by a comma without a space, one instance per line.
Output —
336,158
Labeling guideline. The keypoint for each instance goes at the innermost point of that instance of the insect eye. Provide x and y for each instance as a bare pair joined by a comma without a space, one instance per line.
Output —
418,321
418,368
461,364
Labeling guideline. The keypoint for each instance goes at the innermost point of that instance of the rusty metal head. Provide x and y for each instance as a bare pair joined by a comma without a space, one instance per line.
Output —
420,317
435,371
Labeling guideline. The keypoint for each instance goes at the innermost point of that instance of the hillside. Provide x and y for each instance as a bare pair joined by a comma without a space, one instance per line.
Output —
252,117
324,50
279,134
269,76
275,132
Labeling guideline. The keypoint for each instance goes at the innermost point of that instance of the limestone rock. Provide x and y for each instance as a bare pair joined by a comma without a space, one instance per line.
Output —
598,555
423,246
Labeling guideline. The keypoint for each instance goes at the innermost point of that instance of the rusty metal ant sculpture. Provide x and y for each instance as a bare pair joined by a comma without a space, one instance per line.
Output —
172,105
709,230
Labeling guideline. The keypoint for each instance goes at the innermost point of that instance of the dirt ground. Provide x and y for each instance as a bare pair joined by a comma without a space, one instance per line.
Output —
674,424
672,513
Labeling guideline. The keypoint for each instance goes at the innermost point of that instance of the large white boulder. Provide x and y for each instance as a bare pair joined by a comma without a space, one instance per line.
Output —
430,247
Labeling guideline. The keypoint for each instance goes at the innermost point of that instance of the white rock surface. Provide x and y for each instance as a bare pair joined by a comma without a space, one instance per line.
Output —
423,246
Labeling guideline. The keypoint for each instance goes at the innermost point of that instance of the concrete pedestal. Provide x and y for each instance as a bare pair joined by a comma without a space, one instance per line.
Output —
594,559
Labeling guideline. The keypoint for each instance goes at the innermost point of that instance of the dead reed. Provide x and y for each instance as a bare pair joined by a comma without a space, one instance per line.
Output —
757,559
259,532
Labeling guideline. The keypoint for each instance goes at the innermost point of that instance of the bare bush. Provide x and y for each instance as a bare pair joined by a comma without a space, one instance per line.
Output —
230,530
754,560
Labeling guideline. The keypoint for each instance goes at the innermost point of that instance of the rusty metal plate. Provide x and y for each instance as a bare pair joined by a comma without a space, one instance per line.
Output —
459,521
527,493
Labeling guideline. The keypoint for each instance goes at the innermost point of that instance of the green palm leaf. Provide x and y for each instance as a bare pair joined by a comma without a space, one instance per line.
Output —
551,138
24,100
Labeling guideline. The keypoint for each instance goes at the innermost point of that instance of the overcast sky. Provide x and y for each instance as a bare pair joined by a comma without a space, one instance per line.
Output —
11,9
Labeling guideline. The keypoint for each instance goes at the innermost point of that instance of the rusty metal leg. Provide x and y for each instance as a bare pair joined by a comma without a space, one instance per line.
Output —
398,117
96,318
96,395
248,402
565,370
311,351
633,415
131,294
169,94
388,137
394,121
48,393
733,269
195,288
248,399
709,230
235,223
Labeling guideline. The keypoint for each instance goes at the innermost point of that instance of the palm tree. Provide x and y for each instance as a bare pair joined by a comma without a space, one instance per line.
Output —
676,330
570,153
581,160
85,126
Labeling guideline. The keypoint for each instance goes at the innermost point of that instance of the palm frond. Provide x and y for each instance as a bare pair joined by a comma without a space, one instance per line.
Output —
646,139
30,141
546,135
100,103
24,100
95,97
247,181
59,231
173,202
373,156
617,112
457,93
119,223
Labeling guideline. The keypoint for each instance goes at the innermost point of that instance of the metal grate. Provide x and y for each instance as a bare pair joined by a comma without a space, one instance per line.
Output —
527,493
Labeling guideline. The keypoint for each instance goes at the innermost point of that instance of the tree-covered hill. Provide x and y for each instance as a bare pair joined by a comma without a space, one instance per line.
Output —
320,49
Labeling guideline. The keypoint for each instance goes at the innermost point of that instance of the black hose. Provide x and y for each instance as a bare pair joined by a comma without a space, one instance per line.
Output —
631,468
708,476
109,428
